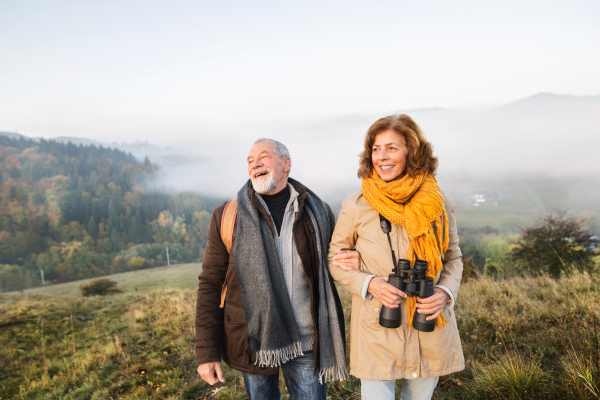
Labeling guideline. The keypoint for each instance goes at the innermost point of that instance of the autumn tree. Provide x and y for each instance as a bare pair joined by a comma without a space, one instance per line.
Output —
162,228
557,244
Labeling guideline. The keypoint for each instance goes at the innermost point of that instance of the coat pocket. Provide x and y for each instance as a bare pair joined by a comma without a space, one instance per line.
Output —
236,334
370,318
371,310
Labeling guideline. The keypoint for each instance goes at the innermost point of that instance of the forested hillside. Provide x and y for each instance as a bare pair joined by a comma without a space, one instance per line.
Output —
76,212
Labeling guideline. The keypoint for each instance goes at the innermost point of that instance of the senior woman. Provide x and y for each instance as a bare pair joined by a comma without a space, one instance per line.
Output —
398,168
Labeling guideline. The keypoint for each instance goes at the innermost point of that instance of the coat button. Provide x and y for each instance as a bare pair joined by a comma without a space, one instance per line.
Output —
415,375
228,318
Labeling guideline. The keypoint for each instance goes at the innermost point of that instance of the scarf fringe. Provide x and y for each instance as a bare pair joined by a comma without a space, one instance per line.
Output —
274,358
333,374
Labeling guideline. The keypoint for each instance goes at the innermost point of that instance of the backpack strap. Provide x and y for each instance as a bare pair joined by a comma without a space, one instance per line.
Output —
227,225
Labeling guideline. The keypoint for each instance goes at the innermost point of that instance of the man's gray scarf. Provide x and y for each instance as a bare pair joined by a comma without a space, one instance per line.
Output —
271,325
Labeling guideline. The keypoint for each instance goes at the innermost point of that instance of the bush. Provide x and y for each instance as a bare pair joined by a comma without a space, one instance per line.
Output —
136,263
470,270
491,269
100,287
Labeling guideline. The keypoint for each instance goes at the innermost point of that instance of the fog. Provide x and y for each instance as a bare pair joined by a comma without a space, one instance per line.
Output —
543,135
200,81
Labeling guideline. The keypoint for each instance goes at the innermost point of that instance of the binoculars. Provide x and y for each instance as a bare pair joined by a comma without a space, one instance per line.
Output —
413,282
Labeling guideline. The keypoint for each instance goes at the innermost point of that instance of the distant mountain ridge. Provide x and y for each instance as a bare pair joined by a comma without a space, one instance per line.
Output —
538,100
541,134
139,150
12,135
548,101
78,141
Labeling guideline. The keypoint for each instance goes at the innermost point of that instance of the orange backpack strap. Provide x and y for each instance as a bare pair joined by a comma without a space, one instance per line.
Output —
227,225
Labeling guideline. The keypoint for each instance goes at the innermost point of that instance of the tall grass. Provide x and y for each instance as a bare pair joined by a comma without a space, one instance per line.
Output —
509,375
581,374
523,338
528,338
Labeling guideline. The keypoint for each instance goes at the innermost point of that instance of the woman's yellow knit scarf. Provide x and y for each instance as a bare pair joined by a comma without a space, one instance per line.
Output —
416,204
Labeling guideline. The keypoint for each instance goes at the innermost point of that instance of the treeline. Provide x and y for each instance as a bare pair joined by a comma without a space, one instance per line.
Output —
75,212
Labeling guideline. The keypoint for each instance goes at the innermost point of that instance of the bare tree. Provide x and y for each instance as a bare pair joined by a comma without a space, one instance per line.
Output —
557,244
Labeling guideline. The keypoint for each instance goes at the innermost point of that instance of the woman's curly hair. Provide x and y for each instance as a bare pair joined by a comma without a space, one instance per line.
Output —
420,158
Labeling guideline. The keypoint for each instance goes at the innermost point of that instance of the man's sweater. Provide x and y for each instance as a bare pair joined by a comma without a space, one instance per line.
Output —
276,205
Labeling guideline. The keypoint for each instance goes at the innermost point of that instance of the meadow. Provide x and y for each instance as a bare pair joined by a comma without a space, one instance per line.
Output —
523,338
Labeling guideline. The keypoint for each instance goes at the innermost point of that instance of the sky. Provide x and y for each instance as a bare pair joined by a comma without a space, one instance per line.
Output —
177,70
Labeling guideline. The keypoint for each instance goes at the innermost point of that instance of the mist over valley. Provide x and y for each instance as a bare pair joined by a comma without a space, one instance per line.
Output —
539,153
544,136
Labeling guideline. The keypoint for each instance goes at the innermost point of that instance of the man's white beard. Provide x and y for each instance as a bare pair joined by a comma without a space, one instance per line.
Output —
264,186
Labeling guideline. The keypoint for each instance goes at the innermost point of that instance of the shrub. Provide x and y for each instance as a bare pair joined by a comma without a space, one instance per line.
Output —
491,269
136,263
100,287
470,270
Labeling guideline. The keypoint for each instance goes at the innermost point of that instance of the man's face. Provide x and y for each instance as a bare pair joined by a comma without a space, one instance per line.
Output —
267,171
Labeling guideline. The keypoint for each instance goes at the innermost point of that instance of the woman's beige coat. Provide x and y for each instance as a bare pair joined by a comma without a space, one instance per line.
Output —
382,353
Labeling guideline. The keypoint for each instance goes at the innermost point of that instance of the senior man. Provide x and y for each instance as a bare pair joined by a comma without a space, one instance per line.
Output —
281,307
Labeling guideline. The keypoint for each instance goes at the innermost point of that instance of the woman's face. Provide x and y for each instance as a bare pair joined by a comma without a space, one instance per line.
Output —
389,155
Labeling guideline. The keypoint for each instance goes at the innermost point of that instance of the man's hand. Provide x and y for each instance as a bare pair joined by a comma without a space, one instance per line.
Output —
347,260
387,294
211,372
433,304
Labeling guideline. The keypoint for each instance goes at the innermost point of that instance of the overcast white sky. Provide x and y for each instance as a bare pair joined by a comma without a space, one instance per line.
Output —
136,70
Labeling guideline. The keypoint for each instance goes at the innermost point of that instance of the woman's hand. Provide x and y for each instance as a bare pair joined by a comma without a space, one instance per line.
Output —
387,294
347,260
433,304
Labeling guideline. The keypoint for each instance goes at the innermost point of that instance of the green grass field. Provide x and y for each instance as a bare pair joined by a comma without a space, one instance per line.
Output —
501,218
524,338
183,276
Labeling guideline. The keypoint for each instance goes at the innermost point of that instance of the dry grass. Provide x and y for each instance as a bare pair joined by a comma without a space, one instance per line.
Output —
510,375
581,375
520,337
523,338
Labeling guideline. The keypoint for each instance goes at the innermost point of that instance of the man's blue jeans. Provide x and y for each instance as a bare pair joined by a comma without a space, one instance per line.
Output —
299,379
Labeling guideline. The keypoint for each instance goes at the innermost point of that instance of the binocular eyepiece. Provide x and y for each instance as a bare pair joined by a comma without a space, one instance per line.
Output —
413,282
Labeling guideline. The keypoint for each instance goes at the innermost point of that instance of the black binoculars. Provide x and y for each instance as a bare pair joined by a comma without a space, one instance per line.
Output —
413,282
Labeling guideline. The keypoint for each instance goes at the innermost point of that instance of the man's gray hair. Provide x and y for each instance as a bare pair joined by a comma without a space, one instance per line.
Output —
280,149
